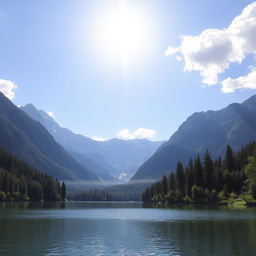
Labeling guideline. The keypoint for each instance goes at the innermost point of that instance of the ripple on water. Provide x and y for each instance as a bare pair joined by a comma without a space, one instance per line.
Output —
91,229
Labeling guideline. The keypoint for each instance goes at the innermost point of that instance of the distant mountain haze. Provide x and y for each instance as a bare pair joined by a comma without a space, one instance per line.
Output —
28,140
100,159
101,172
120,158
98,169
213,130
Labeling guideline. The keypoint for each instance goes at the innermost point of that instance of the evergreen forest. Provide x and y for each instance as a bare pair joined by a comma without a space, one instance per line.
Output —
226,180
19,181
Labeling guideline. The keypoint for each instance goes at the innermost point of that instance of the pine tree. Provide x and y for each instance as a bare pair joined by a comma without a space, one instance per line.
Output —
250,171
180,176
199,176
228,180
219,180
208,171
229,159
189,177
164,185
172,182
63,191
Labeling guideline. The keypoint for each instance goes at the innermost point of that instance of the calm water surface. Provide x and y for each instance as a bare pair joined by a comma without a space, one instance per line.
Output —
125,229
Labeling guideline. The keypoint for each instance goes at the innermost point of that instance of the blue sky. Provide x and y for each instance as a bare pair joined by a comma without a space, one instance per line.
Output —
61,61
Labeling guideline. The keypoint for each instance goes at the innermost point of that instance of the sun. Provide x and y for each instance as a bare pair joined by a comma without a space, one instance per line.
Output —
123,32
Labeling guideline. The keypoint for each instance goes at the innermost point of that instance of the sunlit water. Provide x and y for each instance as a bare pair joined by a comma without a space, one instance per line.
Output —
125,229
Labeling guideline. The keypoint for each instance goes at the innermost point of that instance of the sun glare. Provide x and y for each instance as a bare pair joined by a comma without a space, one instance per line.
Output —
122,32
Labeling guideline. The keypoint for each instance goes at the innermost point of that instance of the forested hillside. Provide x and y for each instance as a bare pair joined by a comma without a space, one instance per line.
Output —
209,181
19,181
28,140
234,125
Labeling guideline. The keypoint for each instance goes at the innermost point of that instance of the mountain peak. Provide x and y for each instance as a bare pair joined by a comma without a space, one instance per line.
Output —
117,155
30,105
30,141
211,130
251,100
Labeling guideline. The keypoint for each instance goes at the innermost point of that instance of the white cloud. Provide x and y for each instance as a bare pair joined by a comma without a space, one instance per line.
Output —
139,133
248,81
51,114
98,138
171,50
213,50
8,88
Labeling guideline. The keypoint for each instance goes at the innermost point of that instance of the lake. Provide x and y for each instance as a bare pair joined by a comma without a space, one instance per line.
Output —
82,228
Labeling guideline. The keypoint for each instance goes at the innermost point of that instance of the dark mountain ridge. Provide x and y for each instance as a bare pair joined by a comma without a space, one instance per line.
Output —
234,125
28,140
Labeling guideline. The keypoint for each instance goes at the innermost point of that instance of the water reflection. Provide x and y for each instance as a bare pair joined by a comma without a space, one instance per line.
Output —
31,205
204,237
109,229
69,205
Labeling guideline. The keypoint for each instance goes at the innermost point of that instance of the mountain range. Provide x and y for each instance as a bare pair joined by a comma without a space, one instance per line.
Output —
234,125
33,136
113,158
28,140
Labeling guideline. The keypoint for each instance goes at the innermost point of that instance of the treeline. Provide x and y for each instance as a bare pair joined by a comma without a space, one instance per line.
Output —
102,195
208,181
19,181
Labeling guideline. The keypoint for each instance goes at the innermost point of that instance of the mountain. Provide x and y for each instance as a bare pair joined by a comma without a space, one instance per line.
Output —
98,169
234,125
97,158
120,157
127,155
19,181
30,141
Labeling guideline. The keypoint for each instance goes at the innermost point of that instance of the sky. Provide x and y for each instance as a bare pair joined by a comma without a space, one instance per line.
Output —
127,69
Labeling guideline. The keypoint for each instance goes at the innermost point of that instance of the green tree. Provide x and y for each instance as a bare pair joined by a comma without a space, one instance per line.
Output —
63,191
228,180
225,191
198,193
219,180
145,195
2,196
157,188
199,176
229,159
213,196
250,172
172,182
180,176
164,185
208,171
189,177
